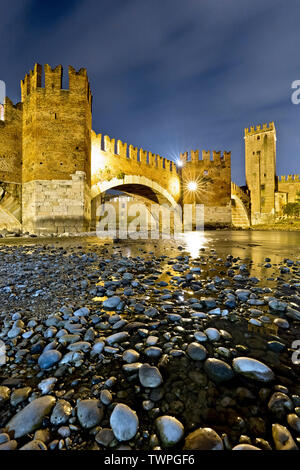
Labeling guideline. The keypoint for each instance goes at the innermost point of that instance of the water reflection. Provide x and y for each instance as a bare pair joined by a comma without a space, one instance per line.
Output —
194,241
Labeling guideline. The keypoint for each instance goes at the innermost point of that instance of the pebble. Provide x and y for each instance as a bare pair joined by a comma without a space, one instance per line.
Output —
283,439
170,430
61,412
150,376
90,413
124,422
48,358
253,369
218,371
203,439
30,418
196,351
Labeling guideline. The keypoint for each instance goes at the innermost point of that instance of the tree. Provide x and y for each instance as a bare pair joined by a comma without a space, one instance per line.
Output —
292,209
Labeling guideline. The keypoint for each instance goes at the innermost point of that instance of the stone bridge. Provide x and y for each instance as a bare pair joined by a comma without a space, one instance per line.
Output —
116,165
152,178
240,207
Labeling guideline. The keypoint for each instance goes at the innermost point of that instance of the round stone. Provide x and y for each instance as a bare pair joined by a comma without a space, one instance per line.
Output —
196,351
150,376
130,356
200,336
245,447
30,418
82,312
61,412
203,439
294,422
90,413
282,437
170,430
282,323
124,422
253,369
218,371
212,334
48,358
111,302
34,445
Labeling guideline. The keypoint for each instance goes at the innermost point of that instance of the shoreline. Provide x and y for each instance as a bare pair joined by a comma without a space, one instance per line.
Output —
90,328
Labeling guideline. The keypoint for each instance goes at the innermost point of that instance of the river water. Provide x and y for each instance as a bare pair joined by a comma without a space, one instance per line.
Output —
254,245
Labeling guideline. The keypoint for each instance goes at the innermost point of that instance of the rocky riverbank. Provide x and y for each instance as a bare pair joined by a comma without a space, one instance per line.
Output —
148,351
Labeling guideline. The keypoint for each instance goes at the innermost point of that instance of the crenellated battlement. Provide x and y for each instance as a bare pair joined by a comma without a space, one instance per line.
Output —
289,179
53,78
11,112
194,157
109,146
259,129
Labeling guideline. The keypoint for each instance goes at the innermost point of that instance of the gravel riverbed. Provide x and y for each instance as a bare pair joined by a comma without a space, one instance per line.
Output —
150,350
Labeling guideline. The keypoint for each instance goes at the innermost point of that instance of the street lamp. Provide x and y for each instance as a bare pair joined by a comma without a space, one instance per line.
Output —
192,186
179,163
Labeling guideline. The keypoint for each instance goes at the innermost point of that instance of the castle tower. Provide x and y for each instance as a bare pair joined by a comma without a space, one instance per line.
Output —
206,181
56,169
260,162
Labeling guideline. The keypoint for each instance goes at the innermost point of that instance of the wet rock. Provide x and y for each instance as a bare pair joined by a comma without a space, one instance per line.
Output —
4,394
117,338
10,445
252,369
283,439
105,437
48,358
170,430
200,336
218,371
124,422
294,422
34,445
19,395
212,334
90,413
30,418
82,312
245,447
61,412
292,313
280,404
150,376
196,351
277,305
130,356
112,302
203,439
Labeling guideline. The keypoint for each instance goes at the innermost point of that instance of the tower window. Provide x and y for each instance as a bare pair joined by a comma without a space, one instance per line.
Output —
205,172
258,137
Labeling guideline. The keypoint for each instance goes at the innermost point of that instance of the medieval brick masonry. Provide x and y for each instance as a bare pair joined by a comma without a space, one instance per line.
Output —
54,168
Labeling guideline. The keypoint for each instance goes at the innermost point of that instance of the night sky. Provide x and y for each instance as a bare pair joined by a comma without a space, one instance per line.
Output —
169,75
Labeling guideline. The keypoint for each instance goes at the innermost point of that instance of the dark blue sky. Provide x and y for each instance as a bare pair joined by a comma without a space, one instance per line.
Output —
169,75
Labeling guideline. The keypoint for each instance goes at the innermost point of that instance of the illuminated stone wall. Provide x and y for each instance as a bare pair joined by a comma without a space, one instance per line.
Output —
213,181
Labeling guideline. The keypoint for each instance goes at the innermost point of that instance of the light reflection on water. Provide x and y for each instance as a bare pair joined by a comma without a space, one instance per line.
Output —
255,245
194,241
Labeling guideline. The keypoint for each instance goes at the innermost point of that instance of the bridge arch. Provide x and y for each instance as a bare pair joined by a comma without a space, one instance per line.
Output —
131,184
143,188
